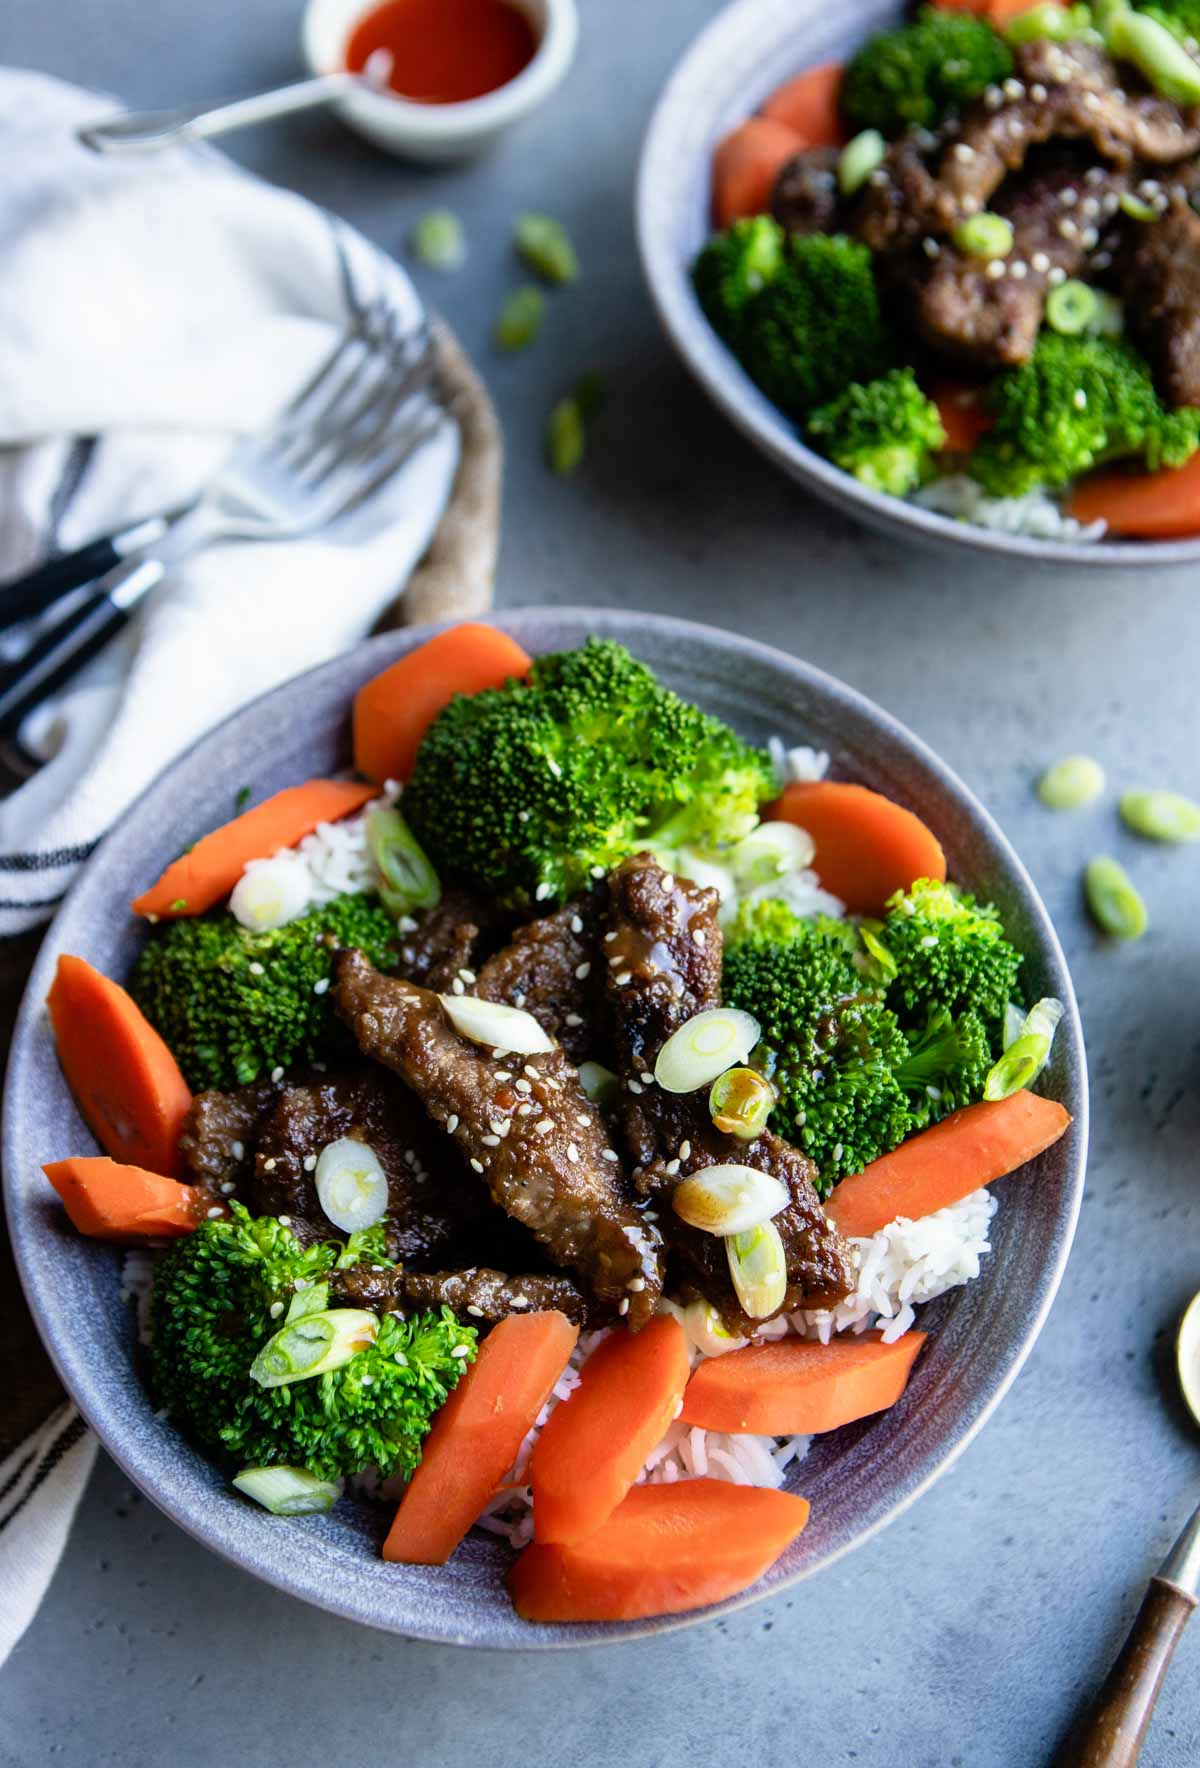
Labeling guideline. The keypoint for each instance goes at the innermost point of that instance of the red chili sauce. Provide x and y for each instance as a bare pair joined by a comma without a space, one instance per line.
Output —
445,51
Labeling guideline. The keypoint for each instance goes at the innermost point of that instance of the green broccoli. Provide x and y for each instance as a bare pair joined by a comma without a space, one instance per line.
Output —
816,326
1076,403
919,71
950,951
733,267
234,1005
530,790
884,432
222,1293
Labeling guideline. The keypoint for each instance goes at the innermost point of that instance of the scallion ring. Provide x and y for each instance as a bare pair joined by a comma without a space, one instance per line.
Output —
858,159
1026,1054
1136,208
599,1083
1115,902
1156,53
271,892
730,1199
407,880
1071,308
1161,816
740,1102
288,1491
1071,783
984,236
491,1022
704,1047
770,852
352,1187
313,1345
758,1269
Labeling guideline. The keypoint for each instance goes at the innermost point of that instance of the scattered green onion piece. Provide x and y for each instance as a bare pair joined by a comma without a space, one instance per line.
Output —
566,443
740,1102
313,1299
1027,1054
758,1268
877,951
313,1345
492,1023
1014,1024
1047,23
288,1491
1071,783
704,1047
1136,208
984,236
352,1187
546,247
706,1329
271,892
1161,816
438,240
1156,53
520,318
1071,307
771,852
729,1200
408,881
599,1083
858,159
1115,903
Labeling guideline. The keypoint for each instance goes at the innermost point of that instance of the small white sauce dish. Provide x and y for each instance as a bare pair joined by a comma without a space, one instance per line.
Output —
441,132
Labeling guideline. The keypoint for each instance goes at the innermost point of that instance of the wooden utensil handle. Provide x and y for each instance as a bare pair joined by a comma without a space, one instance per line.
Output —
1112,1734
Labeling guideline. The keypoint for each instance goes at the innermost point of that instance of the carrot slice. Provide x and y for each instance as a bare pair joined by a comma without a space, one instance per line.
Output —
810,104
964,416
867,845
477,1433
790,1387
1150,506
113,1202
944,1164
125,1080
594,1445
746,164
216,862
394,709
1002,12
664,1550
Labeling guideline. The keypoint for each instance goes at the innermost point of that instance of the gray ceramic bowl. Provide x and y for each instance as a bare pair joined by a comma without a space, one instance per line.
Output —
856,1479
749,49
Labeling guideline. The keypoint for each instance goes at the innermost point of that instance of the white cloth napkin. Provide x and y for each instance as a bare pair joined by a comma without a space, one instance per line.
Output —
151,308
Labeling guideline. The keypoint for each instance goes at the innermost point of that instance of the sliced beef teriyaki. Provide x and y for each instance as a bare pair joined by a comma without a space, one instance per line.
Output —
1158,272
806,198
550,970
220,1134
478,1293
452,938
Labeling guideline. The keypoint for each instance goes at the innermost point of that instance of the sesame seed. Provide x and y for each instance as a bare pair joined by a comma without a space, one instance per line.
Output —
302,1282
668,880
543,891
995,269
583,1120
1079,399
929,940
582,972
472,1309
1013,89
459,986
275,1309
531,1071
637,1284
277,1072
269,1166
838,1151
467,975
624,1307
490,1141
646,1078
522,816
1057,275
609,1154
931,248
1040,262
256,969
970,204
574,1019
322,987
993,97
1038,93
504,1074
460,1350
1018,269
518,1000
685,1149
623,977
572,1153
452,1123
1067,229
576,924
477,1165
523,1086
401,1359
216,1210
608,938
498,1126
597,871
228,1188
526,1109
498,1055
1090,206
1091,101
699,937
649,1215
1094,175
963,153
633,1086
879,177
238,1151
544,1125
285,1222
310,1163
672,1167
555,769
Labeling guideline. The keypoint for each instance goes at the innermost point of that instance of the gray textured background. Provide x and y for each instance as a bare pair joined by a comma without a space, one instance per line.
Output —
966,1633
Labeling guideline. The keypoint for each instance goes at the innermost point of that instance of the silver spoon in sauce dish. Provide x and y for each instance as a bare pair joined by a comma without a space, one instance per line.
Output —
1112,1734
148,131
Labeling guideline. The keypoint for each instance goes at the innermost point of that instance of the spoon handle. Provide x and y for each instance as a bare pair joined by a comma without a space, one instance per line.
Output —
141,131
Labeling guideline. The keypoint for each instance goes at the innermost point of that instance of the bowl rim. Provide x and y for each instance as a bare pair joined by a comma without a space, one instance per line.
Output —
103,1413
729,386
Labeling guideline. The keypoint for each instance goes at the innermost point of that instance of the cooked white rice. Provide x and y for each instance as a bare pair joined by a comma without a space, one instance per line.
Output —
334,860
1035,515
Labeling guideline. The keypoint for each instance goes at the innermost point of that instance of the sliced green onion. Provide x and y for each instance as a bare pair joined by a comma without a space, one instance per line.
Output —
546,247
1047,22
877,951
1136,208
1162,816
1157,54
566,441
313,1345
288,1491
313,1299
1071,783
408,881
599,1083
758,1268
1113,899
352,1187
1071,307
698,869
492,1023
1014,1024
706,1329
271,892
984,236
771,852
730,1199
858,159
704,1047
520,318
438,240
740,1103
1028,1053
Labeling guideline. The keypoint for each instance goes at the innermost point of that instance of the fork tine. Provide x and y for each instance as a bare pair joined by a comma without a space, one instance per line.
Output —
363,488
336,379
358,432
344,344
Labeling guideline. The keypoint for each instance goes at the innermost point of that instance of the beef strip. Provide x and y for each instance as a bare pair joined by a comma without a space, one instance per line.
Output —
526,1127
1158,273
806,198
478,1293
663,951
451,938
550,971
220,1134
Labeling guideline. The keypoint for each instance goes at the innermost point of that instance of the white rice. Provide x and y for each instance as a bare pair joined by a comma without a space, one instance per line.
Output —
334,860
1035,515
798,763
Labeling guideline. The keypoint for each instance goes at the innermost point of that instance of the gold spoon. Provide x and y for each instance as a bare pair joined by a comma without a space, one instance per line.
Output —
1114,1730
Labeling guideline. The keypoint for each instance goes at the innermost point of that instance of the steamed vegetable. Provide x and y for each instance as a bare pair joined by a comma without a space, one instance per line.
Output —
1146,506
757,1261
112,1202
234,1005
919,71
1115,901
867,846
817,325
438,240
885,433
1071,783
746,164
791,1387
288,1491
126,1082
1161,816
545,246
733,267
810,104
950,951
408,883
702,1049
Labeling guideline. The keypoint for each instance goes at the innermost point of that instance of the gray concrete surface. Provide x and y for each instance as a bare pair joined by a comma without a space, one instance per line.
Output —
966,1634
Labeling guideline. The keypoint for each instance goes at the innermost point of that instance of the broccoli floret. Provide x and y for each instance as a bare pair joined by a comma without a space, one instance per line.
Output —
733,267
946,1066
950,952
1076,403
210,1314
527,791
884,432
233,1004
816,326
918,72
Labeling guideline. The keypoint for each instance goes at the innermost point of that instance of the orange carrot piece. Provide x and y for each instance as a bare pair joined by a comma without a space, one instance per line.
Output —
867,845
125,1080
113,1202
964,416
213,866
477,1433
593,1446
394,709
790,1387
944,1164
1148,506
810,104
663,1551
1002,12
746,164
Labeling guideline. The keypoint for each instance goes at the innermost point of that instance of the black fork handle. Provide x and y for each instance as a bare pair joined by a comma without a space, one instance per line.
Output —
47,583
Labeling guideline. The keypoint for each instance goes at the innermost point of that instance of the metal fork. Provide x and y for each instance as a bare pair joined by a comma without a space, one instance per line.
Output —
370,406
